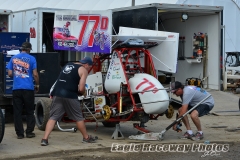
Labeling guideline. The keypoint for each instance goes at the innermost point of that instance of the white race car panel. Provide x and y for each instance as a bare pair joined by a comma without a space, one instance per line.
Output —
94,81
115,75
145,82
164,55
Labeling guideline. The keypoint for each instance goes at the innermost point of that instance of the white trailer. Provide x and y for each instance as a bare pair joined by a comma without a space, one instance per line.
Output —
39,23
5,20
204,21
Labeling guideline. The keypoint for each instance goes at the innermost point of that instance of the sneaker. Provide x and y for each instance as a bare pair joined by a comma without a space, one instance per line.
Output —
44,142
20,136
30,135
198,136
186,135
90,139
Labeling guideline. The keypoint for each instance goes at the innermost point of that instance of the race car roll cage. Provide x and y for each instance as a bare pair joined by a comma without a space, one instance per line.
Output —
126,53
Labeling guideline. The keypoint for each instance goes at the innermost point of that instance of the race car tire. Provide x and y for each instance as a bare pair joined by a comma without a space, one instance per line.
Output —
42,111
110,124
2,125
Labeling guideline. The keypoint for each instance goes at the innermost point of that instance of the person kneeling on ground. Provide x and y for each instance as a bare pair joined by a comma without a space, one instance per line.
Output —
70,83
192,95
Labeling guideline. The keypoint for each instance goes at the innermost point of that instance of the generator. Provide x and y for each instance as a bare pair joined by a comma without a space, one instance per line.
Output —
194,82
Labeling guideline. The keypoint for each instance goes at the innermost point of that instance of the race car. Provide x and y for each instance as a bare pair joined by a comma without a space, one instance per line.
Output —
59,33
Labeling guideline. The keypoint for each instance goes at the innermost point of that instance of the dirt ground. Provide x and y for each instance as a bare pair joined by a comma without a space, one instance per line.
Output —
232,153
220,130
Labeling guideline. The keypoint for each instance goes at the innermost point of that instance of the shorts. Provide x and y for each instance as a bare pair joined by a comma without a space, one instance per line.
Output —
203,109
66,105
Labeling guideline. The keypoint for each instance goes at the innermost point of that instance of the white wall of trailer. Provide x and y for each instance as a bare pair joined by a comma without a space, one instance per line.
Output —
231,20
231,14
17,5
206,24
17,20
141,2
24,21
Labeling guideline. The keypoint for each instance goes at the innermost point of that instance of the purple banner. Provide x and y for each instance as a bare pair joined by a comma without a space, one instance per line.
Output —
78,31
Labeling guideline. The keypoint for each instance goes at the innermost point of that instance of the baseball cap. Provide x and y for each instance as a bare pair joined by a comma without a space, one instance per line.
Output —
175,85
27,45
87,60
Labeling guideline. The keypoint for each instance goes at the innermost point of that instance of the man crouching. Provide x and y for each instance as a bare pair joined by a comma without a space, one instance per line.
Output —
192,95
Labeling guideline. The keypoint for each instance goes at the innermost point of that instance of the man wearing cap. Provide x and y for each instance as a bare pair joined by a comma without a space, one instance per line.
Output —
192,95
70,83
23,68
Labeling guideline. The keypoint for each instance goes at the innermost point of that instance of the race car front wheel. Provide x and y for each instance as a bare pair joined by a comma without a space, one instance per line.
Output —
2,125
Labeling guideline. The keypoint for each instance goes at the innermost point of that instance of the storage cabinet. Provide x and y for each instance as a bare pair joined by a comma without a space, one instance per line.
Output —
199,45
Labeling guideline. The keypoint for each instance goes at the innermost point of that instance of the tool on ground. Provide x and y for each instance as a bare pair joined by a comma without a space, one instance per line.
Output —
159,136
66,130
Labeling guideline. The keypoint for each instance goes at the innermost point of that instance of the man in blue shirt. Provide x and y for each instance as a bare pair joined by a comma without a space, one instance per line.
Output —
23,68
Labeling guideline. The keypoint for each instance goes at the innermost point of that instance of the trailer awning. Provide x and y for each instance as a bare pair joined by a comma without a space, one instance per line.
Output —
17,5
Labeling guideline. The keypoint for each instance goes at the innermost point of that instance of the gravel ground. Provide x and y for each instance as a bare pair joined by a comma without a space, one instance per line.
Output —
232,152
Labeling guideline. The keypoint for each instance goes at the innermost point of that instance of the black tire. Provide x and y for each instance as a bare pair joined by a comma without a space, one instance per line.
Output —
42,111
110,124
2,125
176,105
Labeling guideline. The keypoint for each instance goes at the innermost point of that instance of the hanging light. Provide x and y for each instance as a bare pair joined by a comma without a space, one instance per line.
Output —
184,17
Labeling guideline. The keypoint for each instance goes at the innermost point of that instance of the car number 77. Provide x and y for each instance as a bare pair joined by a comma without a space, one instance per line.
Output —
86,19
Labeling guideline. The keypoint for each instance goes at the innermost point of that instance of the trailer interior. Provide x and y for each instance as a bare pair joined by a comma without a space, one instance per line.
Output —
200,37
199,32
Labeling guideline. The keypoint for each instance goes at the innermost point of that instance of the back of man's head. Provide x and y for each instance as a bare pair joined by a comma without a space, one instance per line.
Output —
86,60
26,46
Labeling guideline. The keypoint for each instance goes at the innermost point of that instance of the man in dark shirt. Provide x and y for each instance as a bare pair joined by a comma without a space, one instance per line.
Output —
70,84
